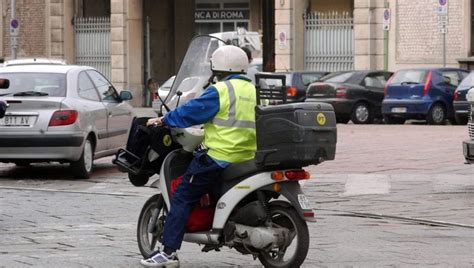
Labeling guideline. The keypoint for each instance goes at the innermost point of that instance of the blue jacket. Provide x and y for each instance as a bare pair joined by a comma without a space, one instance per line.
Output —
199,110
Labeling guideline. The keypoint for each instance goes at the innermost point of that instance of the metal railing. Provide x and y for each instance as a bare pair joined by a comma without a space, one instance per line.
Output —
470,124
92,37
329,41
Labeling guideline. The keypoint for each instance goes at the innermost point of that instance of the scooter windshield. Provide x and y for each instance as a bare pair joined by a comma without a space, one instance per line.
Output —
194,72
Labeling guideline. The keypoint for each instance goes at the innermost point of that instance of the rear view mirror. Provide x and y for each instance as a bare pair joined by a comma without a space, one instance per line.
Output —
4,83
125,95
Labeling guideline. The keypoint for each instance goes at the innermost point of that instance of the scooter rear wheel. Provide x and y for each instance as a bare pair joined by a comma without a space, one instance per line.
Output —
293,254
150,225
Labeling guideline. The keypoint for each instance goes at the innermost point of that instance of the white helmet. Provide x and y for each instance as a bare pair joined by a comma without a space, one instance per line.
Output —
229,59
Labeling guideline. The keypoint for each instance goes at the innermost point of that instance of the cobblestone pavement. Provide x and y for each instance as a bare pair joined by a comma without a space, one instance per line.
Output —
395,196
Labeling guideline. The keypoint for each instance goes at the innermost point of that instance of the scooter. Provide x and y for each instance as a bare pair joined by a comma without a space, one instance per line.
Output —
262,210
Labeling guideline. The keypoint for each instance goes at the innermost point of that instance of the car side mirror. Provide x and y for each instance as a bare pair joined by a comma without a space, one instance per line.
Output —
4,83
125,95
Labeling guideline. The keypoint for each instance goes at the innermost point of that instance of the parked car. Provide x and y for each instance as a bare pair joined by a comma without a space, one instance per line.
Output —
460,103
34,61
423,94
296,83
355,95
64,113
468,145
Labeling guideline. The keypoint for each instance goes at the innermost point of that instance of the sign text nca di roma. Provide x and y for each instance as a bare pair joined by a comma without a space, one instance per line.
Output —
221,15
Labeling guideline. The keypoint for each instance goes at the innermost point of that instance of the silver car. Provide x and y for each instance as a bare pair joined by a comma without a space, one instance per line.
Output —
64,113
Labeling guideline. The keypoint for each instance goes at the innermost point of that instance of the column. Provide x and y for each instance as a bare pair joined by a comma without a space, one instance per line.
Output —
118,33
368,34
283,35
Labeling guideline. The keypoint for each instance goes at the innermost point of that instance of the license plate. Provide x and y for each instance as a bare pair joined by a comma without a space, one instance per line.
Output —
399,110
19,120
304,203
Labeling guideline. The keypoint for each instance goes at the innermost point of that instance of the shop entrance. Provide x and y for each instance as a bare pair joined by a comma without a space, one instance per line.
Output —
168,28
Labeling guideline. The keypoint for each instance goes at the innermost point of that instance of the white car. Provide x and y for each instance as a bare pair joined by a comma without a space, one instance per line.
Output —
64,113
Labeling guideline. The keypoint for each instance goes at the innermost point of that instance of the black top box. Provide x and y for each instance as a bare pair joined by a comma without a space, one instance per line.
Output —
295,135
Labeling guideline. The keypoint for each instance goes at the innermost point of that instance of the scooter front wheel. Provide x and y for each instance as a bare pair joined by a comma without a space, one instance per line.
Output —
139,179
294,252
150,225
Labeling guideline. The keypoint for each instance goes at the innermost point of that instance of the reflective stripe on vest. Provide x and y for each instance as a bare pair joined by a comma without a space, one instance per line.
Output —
232,121
231,136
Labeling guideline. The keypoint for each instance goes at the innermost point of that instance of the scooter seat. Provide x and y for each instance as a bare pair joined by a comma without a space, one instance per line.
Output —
240,170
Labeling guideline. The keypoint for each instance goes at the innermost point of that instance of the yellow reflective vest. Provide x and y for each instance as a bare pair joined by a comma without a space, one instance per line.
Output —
231,136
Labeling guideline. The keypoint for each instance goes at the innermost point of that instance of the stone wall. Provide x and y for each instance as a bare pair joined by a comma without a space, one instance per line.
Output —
32,29
417,36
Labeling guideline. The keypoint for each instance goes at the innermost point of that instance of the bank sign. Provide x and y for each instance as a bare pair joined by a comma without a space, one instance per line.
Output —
221,14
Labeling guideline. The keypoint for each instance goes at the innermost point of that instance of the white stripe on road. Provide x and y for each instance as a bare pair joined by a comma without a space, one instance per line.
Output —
363,184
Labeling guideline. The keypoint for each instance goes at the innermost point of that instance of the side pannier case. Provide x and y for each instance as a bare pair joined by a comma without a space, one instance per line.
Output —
295,135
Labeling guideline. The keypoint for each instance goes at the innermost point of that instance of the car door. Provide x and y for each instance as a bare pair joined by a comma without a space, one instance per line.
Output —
94,112
449,82
374,83
119,113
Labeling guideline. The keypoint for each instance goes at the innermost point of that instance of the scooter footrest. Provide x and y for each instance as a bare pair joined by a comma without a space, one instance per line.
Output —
208,248
128,162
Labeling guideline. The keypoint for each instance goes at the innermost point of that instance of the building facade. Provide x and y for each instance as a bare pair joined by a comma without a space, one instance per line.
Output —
148,38
413,38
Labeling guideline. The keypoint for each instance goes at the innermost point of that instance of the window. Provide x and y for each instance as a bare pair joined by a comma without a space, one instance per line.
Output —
237,5
310,78
338,77
409,76
468,81
208,5
451,78
212,17
375,80
54,84
208,28
86,89
106,90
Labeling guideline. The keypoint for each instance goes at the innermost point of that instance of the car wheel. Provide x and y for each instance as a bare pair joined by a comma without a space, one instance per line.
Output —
460,120
343,119
436,115
392,120
82,168
361,114
139,179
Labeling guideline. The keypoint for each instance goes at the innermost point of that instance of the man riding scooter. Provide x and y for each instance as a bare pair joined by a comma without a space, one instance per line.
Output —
227,110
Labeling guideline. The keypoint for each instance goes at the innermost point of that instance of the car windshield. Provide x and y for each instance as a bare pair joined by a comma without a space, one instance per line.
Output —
310,78
35,84
468,81
337,77
409,77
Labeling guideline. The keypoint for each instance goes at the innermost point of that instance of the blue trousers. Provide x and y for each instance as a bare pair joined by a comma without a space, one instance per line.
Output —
201,177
